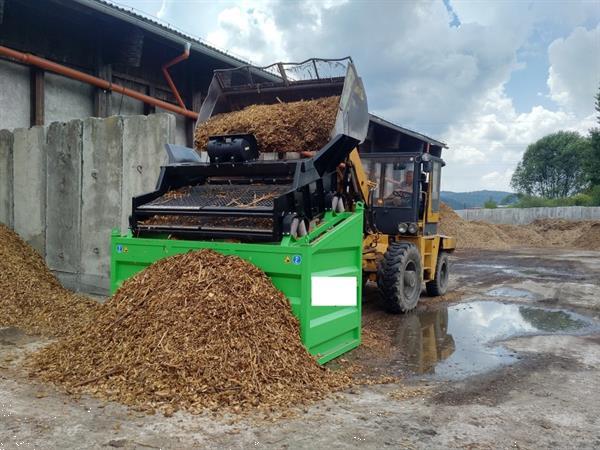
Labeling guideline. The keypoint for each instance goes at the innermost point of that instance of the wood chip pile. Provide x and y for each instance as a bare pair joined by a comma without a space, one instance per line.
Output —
282,127
584,234
31,297
193,331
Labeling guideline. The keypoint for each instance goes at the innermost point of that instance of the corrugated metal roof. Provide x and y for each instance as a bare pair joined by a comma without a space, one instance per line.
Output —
155,26
415,134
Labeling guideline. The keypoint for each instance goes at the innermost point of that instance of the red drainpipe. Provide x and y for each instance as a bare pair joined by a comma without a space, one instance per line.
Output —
185,55
28,58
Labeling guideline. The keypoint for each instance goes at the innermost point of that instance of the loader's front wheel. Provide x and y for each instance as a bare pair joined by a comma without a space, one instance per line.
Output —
439,285
399,277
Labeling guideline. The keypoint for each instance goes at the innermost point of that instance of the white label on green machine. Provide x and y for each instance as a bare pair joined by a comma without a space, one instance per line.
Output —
333,291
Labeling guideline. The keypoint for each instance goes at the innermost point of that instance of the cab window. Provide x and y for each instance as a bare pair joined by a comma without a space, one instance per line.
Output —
394,182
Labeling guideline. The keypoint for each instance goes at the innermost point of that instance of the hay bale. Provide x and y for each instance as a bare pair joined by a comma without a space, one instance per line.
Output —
281,127
31,298
193,331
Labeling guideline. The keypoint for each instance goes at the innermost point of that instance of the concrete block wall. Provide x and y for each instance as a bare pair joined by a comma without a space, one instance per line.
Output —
65,186
523,216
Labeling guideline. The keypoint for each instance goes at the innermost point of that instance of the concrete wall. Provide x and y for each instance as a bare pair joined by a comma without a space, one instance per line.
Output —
66,99
522,216
65,186
14,95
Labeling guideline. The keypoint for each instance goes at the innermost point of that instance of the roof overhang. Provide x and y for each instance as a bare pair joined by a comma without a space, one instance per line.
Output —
378,120
167,32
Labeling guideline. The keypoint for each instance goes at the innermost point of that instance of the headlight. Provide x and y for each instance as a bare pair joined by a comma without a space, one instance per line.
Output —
402,228
412,228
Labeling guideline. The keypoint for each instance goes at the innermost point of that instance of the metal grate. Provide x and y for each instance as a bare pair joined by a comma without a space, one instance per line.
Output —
215,196
206,223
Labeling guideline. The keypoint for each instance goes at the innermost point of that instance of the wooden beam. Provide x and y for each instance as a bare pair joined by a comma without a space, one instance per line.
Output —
190,124
36,96
150,109
102,98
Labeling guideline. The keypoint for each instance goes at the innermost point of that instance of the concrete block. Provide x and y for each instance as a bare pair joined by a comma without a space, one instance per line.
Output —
144,138
6,177
63,207
101,197
179,131
29,186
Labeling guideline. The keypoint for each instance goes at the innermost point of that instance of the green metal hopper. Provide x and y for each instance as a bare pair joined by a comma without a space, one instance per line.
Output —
319,273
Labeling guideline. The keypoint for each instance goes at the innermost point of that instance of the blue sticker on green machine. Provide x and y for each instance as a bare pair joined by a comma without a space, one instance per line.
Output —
297,259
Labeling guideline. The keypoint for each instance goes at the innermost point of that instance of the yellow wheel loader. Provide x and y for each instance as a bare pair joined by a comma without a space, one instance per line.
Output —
396,173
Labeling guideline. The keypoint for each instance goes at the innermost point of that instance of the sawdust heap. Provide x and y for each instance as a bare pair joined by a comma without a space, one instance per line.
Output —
193,331
584,234
282,127
31,297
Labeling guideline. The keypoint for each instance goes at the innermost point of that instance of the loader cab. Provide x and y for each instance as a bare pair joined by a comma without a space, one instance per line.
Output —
404,170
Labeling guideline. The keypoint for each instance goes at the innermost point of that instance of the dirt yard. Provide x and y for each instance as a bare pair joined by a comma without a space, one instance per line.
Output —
510,360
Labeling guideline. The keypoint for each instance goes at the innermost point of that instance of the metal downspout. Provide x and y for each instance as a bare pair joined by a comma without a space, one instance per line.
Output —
185,55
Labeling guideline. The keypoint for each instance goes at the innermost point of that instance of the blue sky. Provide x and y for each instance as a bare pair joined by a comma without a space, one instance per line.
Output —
487,77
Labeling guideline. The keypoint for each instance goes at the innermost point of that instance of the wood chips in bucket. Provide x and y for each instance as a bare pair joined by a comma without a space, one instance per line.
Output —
281,127
193,331
31,298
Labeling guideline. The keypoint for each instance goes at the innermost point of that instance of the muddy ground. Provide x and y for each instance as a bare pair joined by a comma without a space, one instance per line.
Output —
510,359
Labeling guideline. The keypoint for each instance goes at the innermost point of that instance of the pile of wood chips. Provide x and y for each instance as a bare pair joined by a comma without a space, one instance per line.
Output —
280,127
194,331
542,233
31,298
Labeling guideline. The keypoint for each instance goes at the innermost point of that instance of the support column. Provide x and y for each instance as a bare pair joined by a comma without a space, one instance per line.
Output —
190,124
150,109
102,98
37,97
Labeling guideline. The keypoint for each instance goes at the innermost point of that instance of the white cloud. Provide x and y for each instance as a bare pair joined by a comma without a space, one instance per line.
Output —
163,9
248,30
493,180
575,70
495,130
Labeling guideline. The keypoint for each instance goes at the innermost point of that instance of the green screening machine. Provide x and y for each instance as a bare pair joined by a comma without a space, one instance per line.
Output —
282,214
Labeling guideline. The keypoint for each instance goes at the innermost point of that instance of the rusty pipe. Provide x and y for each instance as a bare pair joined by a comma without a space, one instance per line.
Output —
185,55
28,58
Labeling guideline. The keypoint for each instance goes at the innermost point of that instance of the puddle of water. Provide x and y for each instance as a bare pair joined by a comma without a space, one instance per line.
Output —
463,340
520,272
510,292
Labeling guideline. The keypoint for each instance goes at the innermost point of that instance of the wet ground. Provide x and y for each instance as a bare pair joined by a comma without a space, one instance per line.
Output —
511,358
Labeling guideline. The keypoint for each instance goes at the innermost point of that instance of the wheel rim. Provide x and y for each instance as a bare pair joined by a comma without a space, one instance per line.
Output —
410,284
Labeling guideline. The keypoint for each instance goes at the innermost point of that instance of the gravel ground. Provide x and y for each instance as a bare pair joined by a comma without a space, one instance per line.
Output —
530,387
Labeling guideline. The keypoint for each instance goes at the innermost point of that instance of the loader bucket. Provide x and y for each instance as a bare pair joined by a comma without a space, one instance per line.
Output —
235,89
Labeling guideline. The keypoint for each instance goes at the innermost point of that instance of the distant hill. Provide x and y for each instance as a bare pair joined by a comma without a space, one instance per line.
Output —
475,199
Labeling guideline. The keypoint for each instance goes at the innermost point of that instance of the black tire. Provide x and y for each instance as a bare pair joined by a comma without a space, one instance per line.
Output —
399,277
439,285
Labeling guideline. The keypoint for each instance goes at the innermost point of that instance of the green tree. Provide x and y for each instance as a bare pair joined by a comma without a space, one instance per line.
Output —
552,167
592,159
490,204
598,105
